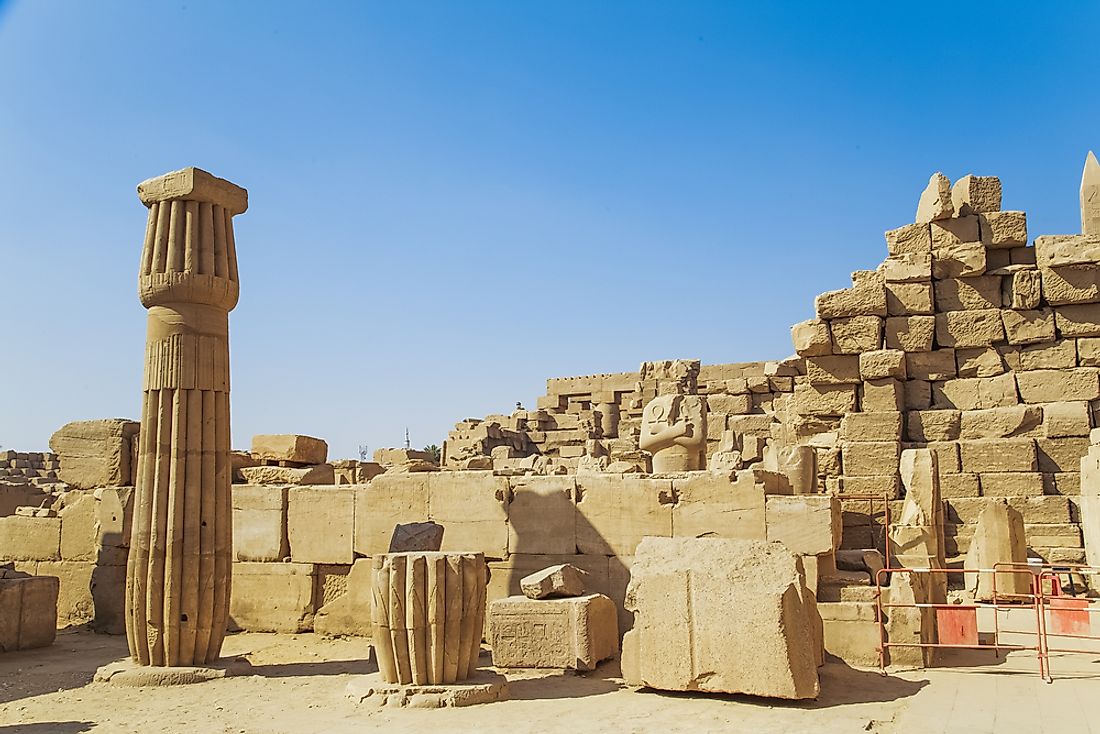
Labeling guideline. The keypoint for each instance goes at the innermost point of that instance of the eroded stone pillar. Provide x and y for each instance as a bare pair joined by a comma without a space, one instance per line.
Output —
179,569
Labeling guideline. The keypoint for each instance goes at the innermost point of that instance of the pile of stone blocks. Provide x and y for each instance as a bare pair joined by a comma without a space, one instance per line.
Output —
28,610
721,615
554,624
38,468
287,459
97,453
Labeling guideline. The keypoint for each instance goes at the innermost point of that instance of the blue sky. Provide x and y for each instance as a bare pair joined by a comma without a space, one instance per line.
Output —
451,202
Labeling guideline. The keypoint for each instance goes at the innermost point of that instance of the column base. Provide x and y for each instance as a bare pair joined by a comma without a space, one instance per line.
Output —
484,686
129,673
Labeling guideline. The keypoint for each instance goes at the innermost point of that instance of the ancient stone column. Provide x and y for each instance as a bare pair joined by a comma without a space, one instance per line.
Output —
427,616
178,571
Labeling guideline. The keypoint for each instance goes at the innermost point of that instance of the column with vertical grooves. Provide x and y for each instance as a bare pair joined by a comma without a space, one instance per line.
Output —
178,573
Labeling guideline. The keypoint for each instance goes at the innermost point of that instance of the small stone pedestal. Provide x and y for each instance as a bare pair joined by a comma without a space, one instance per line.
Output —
483,686
129,673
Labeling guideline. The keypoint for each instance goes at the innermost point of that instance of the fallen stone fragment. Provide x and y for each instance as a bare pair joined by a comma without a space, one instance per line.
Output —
562,580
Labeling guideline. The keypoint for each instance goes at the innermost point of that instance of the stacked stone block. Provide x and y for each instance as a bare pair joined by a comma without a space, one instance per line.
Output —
970,342
29,467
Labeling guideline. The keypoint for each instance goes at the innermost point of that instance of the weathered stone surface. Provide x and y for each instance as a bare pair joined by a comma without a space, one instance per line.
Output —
24,538
96,453
1078,320
910,333
833,370
28,611
804,524
1011,484
882,395
811,338
484,686
348,613
1054,356
561,580
398,457
320,525
935,201
289,447
273,597
473,507
1015,420
416,536
980,362
259,523
1074,284
704,583
976,194
933,425
882,363
1053,251
306,475
912,238
1003,229
720,505
574,633
976,393
999,455
998,538
865,300
1028,327
870,458
1066,419
542,515
909,299
615,513
1051,386
884,426
856,334
913,267
930,365
969,328
823,400
968,294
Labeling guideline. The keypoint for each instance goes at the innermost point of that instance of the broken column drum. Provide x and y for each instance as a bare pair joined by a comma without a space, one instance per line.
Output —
178,572
427,616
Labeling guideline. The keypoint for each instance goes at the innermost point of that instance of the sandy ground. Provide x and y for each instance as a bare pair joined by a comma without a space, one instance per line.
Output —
299,680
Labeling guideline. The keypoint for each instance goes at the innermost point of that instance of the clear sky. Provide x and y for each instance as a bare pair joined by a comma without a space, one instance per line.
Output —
451,202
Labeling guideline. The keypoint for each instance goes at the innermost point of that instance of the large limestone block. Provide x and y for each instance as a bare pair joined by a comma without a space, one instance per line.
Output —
1003,229
910,333
273,597
614,513
980,362
823,400
28,611
868,299
811,338
806,525
78,526
472,507
935,201
1016,420
968,294
561,580
96,453
909,299
911,267
976,393
999,455
833,370
320,524
1024,290
1064,419
574,634
856,334
1070,285
720,505
305,475
998,538
720,615
976,194
389,500
349,612
956,259
933,425
541,515
259,523
859,427
1078,320
936,364
885,395
870,458
24,538
1028,327
976,328
881,364
415,537
1059,355
1057,250
912,238
290,447
1052,386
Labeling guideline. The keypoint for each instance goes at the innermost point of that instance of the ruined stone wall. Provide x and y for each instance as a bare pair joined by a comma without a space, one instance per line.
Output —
971,342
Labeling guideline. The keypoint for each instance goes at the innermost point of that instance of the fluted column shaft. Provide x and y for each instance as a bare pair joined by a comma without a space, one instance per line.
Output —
178,574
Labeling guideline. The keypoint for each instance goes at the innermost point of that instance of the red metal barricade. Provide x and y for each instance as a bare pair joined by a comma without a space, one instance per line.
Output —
957,624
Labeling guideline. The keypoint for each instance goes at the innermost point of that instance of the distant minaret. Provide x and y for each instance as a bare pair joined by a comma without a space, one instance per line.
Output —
1090,197
408,444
